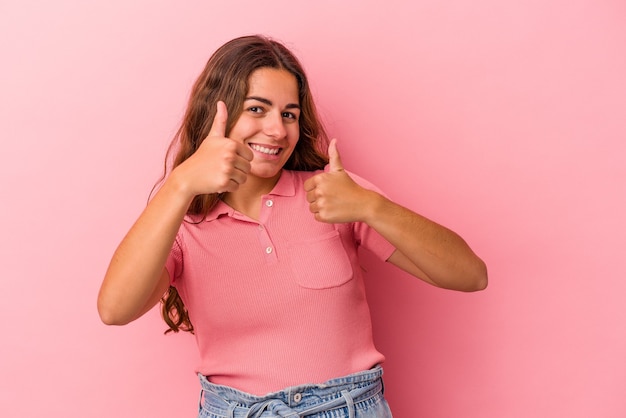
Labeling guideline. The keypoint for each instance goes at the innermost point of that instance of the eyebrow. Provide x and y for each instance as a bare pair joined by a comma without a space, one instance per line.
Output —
269,102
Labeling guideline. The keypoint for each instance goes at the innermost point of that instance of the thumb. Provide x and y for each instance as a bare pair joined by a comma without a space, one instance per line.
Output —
334,161
218,128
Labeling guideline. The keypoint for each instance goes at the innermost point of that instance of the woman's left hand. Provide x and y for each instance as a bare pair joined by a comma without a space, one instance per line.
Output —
333,196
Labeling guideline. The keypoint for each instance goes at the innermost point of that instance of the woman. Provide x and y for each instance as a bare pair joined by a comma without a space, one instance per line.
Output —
251,242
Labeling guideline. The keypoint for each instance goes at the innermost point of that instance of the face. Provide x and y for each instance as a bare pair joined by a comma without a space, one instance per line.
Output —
269,122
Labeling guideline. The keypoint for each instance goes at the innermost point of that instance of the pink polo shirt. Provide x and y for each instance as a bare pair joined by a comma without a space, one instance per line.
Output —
278,302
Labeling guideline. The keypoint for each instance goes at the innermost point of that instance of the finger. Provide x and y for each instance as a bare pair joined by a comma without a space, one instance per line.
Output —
218,128
238,177
311,196
334,161
242,164
233,176
245,152
231,186
310,184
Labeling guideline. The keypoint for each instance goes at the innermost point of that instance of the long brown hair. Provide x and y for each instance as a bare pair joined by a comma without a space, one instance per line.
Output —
225,77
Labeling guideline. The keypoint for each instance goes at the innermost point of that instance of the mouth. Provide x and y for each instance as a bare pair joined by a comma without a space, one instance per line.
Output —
265,149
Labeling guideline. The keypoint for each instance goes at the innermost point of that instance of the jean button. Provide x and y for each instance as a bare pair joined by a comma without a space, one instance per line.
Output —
297,397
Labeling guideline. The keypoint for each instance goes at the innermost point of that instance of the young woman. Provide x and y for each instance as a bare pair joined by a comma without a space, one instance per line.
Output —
251,243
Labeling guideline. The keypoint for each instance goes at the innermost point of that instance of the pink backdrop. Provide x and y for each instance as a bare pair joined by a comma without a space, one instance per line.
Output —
502,120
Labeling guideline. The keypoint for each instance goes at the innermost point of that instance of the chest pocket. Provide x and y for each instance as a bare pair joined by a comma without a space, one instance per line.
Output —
321,263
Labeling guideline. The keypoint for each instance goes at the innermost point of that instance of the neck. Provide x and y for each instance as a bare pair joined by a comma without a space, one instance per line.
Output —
247,198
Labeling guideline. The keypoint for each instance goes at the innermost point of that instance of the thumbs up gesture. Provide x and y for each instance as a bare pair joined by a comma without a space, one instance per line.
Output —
220,164
333,196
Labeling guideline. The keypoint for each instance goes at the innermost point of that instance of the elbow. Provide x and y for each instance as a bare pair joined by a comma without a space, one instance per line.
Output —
479,284
479,279
468,280
109,317
108,313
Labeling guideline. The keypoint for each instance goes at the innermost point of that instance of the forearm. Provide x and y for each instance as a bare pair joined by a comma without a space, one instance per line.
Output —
432,250
137,265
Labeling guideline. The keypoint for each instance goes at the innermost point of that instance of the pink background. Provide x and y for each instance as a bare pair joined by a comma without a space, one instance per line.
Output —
503,120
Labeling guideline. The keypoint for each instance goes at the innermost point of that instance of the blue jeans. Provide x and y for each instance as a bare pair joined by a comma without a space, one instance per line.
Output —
358,395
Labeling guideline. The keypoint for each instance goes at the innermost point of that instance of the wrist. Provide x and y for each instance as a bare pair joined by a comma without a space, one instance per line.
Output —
175,187
372,206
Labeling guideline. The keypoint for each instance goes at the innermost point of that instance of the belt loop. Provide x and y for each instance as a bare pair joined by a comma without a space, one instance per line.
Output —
231,409
201,400
349,403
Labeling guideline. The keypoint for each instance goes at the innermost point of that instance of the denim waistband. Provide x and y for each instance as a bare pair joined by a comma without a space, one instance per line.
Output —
295,401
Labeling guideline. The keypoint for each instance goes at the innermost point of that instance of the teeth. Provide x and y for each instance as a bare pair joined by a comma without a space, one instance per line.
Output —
264,150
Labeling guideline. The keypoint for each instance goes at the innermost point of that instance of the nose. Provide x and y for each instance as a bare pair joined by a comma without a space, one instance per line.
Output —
274,126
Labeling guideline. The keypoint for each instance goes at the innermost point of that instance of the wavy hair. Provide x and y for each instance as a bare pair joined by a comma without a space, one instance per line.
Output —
225,77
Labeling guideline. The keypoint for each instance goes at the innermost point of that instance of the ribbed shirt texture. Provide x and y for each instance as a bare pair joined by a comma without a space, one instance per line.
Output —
280,301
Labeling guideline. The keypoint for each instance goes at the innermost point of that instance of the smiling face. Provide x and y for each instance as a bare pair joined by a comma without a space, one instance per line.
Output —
269,122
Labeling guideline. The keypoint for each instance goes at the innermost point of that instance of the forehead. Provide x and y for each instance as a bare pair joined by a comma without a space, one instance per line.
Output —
273,83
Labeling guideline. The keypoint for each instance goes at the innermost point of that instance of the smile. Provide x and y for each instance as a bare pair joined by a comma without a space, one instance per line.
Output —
265,150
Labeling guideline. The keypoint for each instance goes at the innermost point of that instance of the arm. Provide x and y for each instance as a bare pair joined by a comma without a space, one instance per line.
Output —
136,278
424,249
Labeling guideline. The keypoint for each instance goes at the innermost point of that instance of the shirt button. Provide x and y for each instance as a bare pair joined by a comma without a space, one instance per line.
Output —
268,250
297,397
269,203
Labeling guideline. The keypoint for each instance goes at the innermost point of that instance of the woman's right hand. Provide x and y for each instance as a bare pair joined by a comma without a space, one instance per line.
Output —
219,165
136,278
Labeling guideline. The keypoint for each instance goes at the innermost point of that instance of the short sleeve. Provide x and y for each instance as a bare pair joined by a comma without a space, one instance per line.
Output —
174,262
367,236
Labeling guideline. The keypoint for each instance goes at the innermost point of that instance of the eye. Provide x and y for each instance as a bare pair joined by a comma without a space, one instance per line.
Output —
255,109
290,115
